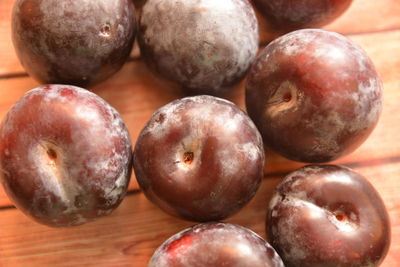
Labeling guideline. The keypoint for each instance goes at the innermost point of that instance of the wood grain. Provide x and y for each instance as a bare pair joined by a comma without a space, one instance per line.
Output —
129,236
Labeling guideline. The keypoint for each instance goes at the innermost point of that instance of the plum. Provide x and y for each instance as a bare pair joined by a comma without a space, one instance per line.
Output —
214,245
327,215
314,95
73,42
200,158
204,45
290,15
65,155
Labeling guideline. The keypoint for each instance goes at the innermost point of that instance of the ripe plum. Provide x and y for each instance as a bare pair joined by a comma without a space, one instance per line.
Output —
327,215
314,95
200,158
215,245
73,42
204,45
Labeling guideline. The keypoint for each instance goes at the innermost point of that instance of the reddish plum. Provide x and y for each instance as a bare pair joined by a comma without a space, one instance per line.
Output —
73,42
289,15
327,215
200,158
204,45
65,155
215,245
314,95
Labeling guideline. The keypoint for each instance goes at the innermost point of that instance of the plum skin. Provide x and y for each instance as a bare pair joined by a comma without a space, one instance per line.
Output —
314,95
290,15
79,43
199,158
328,215
65,155
215,244
205,46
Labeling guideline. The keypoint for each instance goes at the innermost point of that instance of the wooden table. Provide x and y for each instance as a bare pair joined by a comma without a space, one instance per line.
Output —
129,236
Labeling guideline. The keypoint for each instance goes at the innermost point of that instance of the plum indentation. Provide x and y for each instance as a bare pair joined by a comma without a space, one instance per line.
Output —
49,160
284,98
340,217
51,153
287,97
344,218
188,157
105,31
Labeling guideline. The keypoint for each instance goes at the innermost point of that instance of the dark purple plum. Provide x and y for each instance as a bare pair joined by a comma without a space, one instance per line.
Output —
289,15
65,155
327,215
73,42
314,95
200,158
204,45
215,245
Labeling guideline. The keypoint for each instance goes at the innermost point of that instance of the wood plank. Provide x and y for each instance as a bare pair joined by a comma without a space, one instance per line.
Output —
368,16
8,60
131,234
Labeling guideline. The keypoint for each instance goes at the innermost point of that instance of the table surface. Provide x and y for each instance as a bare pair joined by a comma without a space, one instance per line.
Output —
129,235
